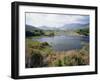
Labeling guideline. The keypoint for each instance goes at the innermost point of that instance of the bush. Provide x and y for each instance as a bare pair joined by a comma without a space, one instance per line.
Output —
73,59
28,34
34,33
59,62
83,31
44,44
51,34
36,59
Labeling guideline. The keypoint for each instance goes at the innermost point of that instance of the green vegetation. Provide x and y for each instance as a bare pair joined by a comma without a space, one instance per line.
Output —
84,31
39,33
37,51
73,58
49,33
41,54
36,59
34,33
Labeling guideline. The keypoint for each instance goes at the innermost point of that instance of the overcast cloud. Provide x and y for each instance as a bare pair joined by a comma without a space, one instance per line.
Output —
54,20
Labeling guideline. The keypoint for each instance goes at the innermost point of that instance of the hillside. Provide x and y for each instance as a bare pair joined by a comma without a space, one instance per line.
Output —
31,28
32,31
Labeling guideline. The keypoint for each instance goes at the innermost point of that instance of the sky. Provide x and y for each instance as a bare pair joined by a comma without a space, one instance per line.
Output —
55,20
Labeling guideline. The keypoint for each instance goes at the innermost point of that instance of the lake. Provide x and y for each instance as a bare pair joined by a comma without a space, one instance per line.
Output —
64,43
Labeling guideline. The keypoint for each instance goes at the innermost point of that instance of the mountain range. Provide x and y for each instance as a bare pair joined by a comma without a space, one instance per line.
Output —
72,26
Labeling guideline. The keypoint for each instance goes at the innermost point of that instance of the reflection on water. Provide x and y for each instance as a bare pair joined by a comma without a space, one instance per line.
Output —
64,43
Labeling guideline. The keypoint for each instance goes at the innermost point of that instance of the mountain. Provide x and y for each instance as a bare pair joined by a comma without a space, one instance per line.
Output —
44,27
47,28
33,31
31,28
74,26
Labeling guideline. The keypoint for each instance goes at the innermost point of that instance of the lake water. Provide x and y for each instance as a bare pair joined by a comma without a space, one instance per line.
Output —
64,43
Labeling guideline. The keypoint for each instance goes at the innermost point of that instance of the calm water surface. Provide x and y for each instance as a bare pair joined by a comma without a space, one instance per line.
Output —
64,43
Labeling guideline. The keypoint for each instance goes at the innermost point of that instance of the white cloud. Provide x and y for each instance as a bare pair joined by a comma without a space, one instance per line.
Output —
53,20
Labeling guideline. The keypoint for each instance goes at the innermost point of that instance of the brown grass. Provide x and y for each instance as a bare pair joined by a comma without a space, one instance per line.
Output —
41,55
70,58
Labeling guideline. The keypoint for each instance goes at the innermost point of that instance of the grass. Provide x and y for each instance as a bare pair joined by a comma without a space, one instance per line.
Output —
42,55
70,58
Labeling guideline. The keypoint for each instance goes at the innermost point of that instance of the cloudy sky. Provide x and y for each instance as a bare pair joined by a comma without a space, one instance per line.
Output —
54,20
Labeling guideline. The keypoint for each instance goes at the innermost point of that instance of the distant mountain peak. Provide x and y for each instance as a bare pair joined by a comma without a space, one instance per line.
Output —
74,26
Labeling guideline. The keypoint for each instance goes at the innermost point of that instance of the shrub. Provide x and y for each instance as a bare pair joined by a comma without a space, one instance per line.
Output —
59,62
84,31
44,44
28,34
36,59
